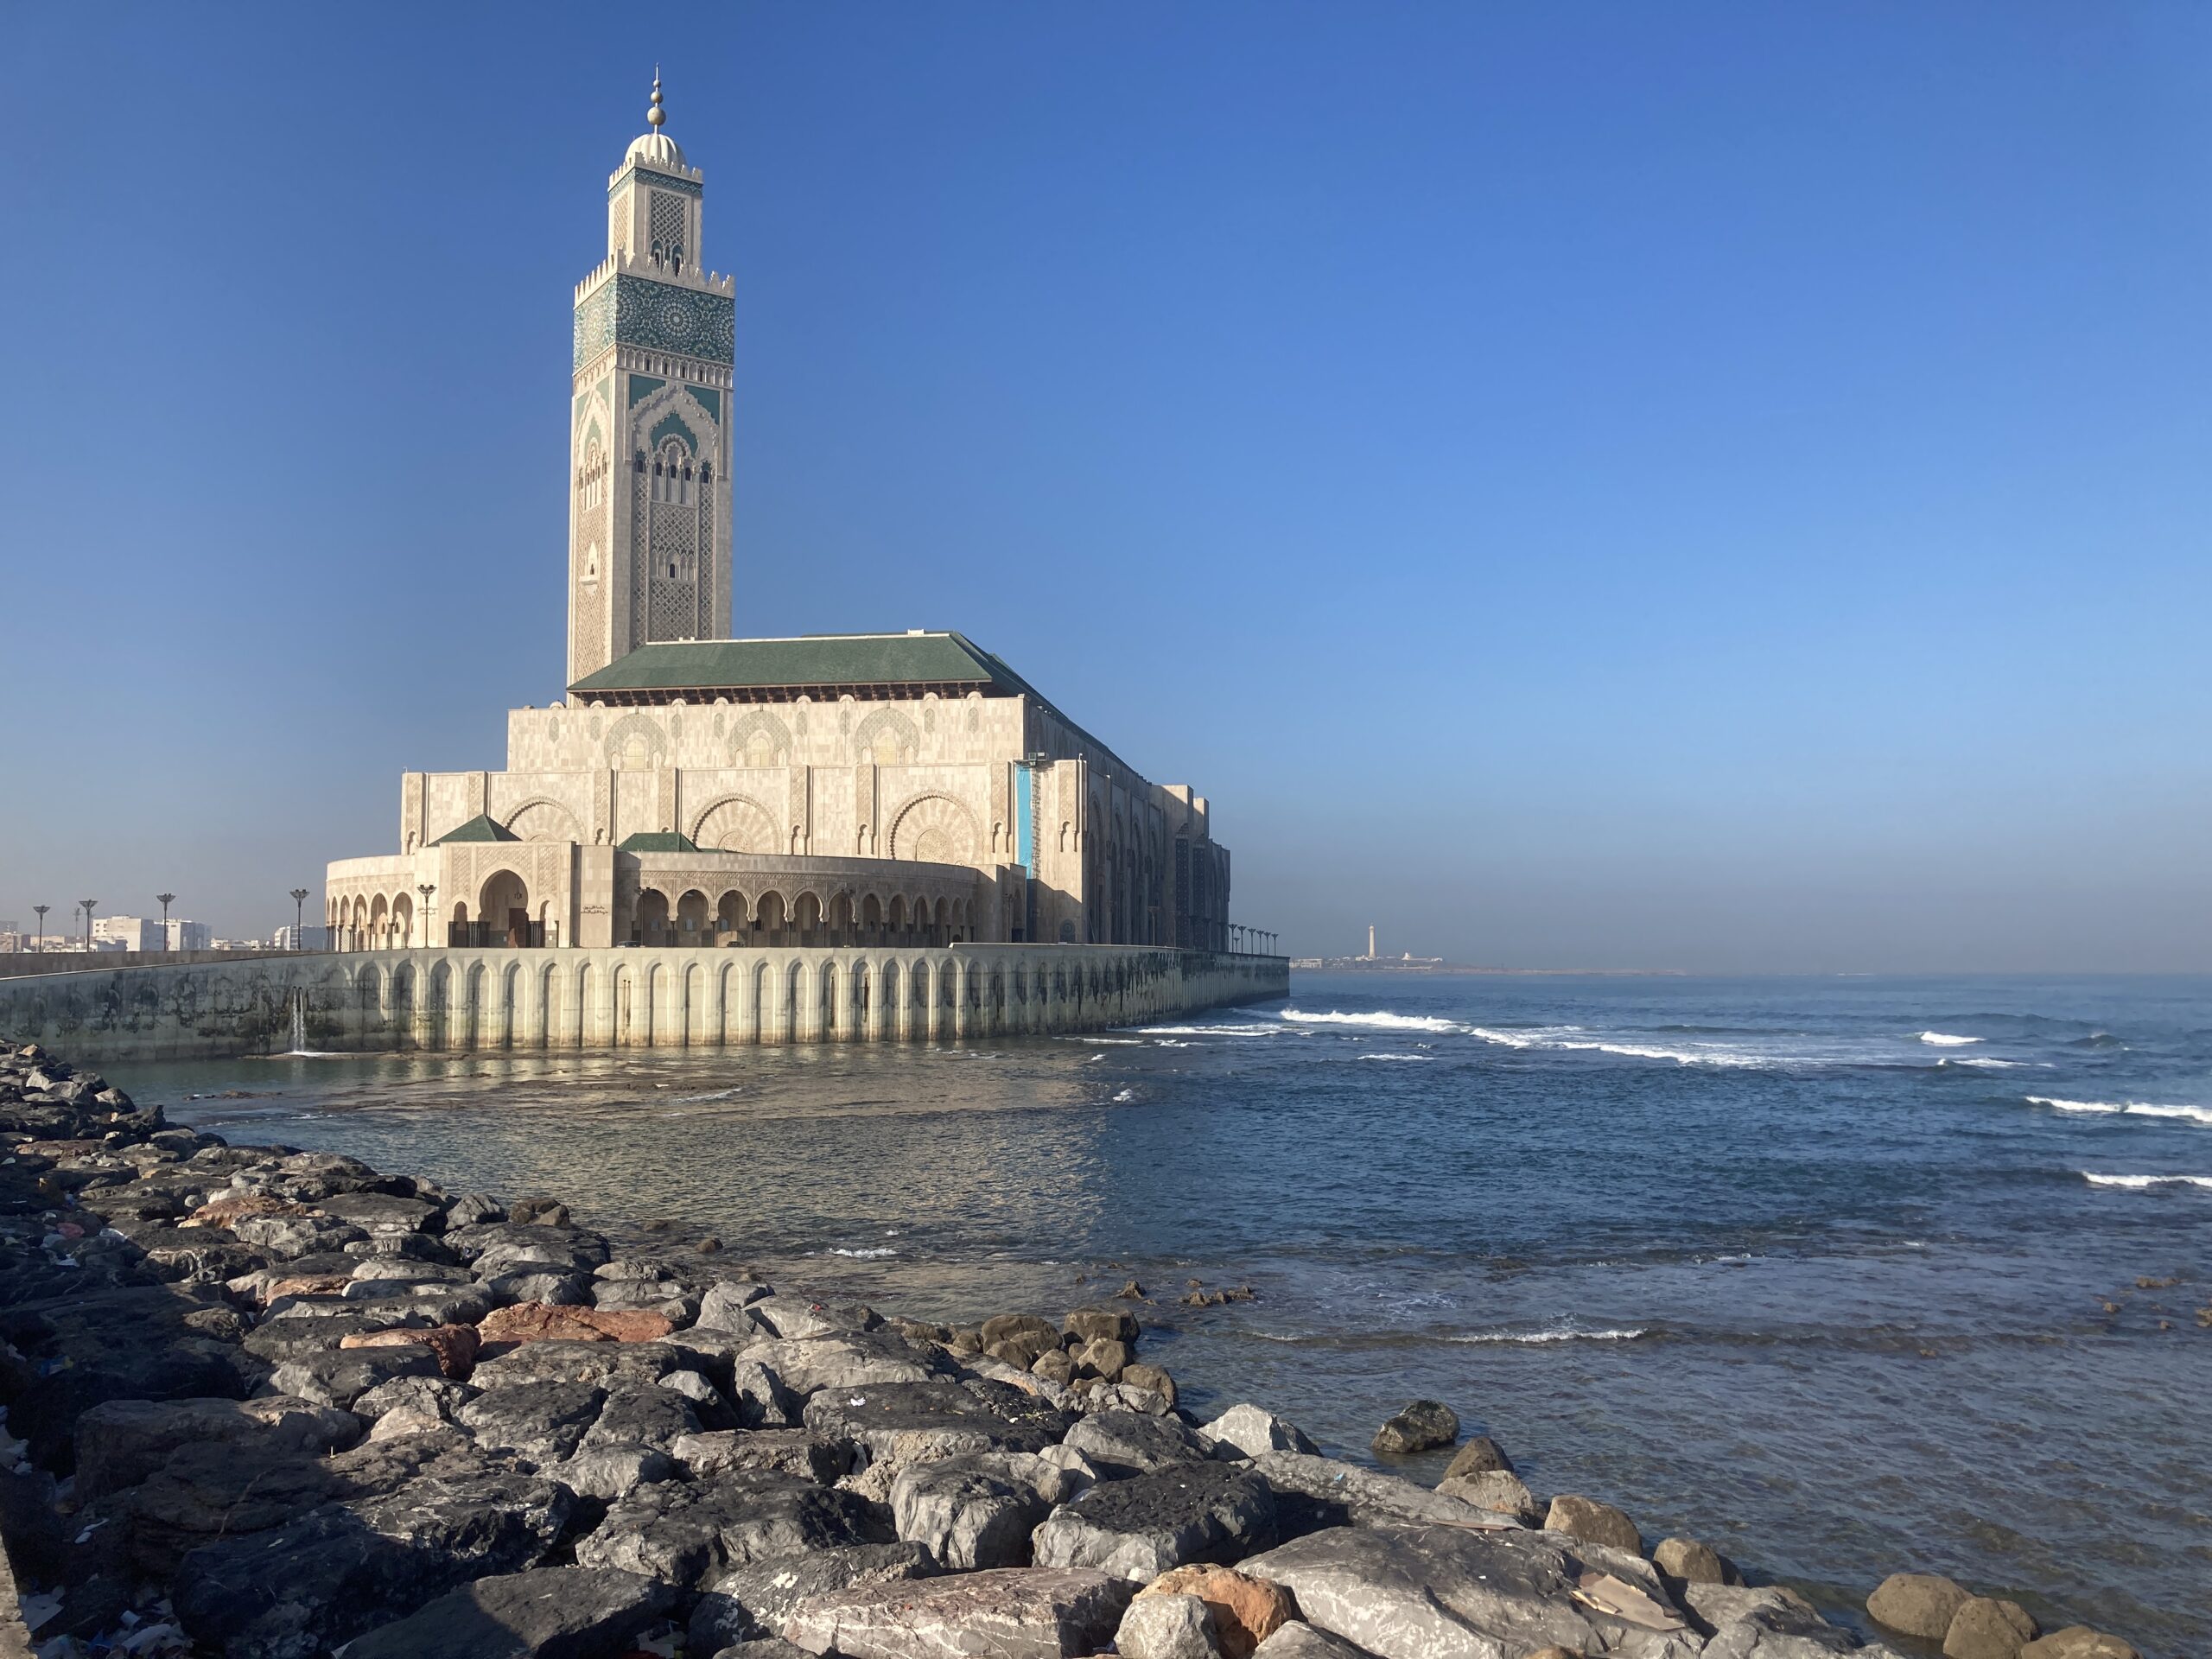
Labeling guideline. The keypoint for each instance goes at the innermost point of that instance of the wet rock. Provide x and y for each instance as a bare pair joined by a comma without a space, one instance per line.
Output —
1986,1627
1422,1427
1447,1591
2078,1642
1130,1443
895,1424
343,1569
1498,1492
548,1612
1101,1356
689,1534
543,1421
540,1212
338,1377
1019,1339
1246,1611
793,1451
1694,1563
1167,1627
1054,1366
1152,1379
752,1601
1010,1613
474,1210
1594,1522
1769,1623
769,1647
976,1509
1917,1603
1100,1324
121,1442
1139,1527
1248,1429
551,1287
503,1247
1481,1455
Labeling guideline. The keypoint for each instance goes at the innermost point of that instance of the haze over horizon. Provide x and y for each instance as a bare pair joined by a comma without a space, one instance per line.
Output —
1720,488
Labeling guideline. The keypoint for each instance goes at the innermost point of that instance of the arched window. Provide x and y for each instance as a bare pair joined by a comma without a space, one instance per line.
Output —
672,481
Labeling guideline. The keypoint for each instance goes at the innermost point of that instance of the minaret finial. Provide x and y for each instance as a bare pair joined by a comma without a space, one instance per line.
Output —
655,114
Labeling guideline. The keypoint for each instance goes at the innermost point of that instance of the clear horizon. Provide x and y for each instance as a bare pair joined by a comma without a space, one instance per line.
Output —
1719,491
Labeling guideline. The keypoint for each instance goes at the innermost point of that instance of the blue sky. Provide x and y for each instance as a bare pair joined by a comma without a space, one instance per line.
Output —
1720,487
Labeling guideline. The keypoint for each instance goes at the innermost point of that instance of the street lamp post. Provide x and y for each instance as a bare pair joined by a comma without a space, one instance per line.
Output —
165,898
299,918
88,904
41,910
426,891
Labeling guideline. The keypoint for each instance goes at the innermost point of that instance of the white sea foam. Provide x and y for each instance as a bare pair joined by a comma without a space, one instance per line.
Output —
2138,1182
1944,1040
1680,1056
1394,1056
2134,1107
1126,1093
1549,1336
1116,1042
1211,1031
866,1255
1983,1064
717,1094
1378,1021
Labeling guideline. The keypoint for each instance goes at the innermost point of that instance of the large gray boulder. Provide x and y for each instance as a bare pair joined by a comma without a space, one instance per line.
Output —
1122,1443
1594,1522
977,1509
1318,1492
1422,1427
543,1421
1139,1527
1499,1491
1446,1593
1251,1430
643,1415
564,1361
343,1569
1917,1603
339,1377
1167,1627
898,1423
1298,1640
751,1602
1765,1624
798,1452
851,1360
1009,1614
691,1534
121,1442
548,1612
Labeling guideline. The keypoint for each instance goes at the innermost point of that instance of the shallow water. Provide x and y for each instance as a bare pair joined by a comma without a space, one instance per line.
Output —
1792,1266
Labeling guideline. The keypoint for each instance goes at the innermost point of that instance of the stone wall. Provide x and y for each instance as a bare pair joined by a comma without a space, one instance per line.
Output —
491,999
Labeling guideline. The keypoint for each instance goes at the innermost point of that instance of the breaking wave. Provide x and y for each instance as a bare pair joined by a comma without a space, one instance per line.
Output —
2138,1182
1394,1056
1944,1040
2133,1108
1378,1021
1630,1334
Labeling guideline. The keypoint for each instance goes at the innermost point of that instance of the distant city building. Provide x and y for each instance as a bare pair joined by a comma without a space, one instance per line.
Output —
190,936
13,938
289,938
127,933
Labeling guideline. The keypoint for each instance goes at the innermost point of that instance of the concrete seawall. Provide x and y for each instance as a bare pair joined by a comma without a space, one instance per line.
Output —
467,1000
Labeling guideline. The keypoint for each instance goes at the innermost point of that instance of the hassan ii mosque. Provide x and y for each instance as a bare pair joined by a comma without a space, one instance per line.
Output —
842,790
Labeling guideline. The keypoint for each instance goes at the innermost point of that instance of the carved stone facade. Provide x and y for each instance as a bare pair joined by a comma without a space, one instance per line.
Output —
889,790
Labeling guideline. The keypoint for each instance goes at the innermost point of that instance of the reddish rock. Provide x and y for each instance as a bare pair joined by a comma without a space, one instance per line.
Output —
221,1212
1246,1611
455,1345
545,1322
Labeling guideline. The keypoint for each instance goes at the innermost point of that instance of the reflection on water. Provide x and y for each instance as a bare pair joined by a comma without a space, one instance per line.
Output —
1761,1262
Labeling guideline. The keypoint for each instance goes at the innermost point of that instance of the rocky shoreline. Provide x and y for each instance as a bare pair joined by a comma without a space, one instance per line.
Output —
273,1404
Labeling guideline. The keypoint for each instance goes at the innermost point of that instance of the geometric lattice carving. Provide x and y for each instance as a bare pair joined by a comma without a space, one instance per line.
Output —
886,738
758,737
736,825
544,821
936,829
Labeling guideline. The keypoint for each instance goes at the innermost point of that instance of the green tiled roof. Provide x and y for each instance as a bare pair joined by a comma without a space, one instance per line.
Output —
480,827
657,840
825,660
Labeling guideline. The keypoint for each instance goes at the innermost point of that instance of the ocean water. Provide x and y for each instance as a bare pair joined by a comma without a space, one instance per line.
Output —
1844,1276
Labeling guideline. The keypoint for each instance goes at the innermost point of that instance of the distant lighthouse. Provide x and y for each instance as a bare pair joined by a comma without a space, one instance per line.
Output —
1370,941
